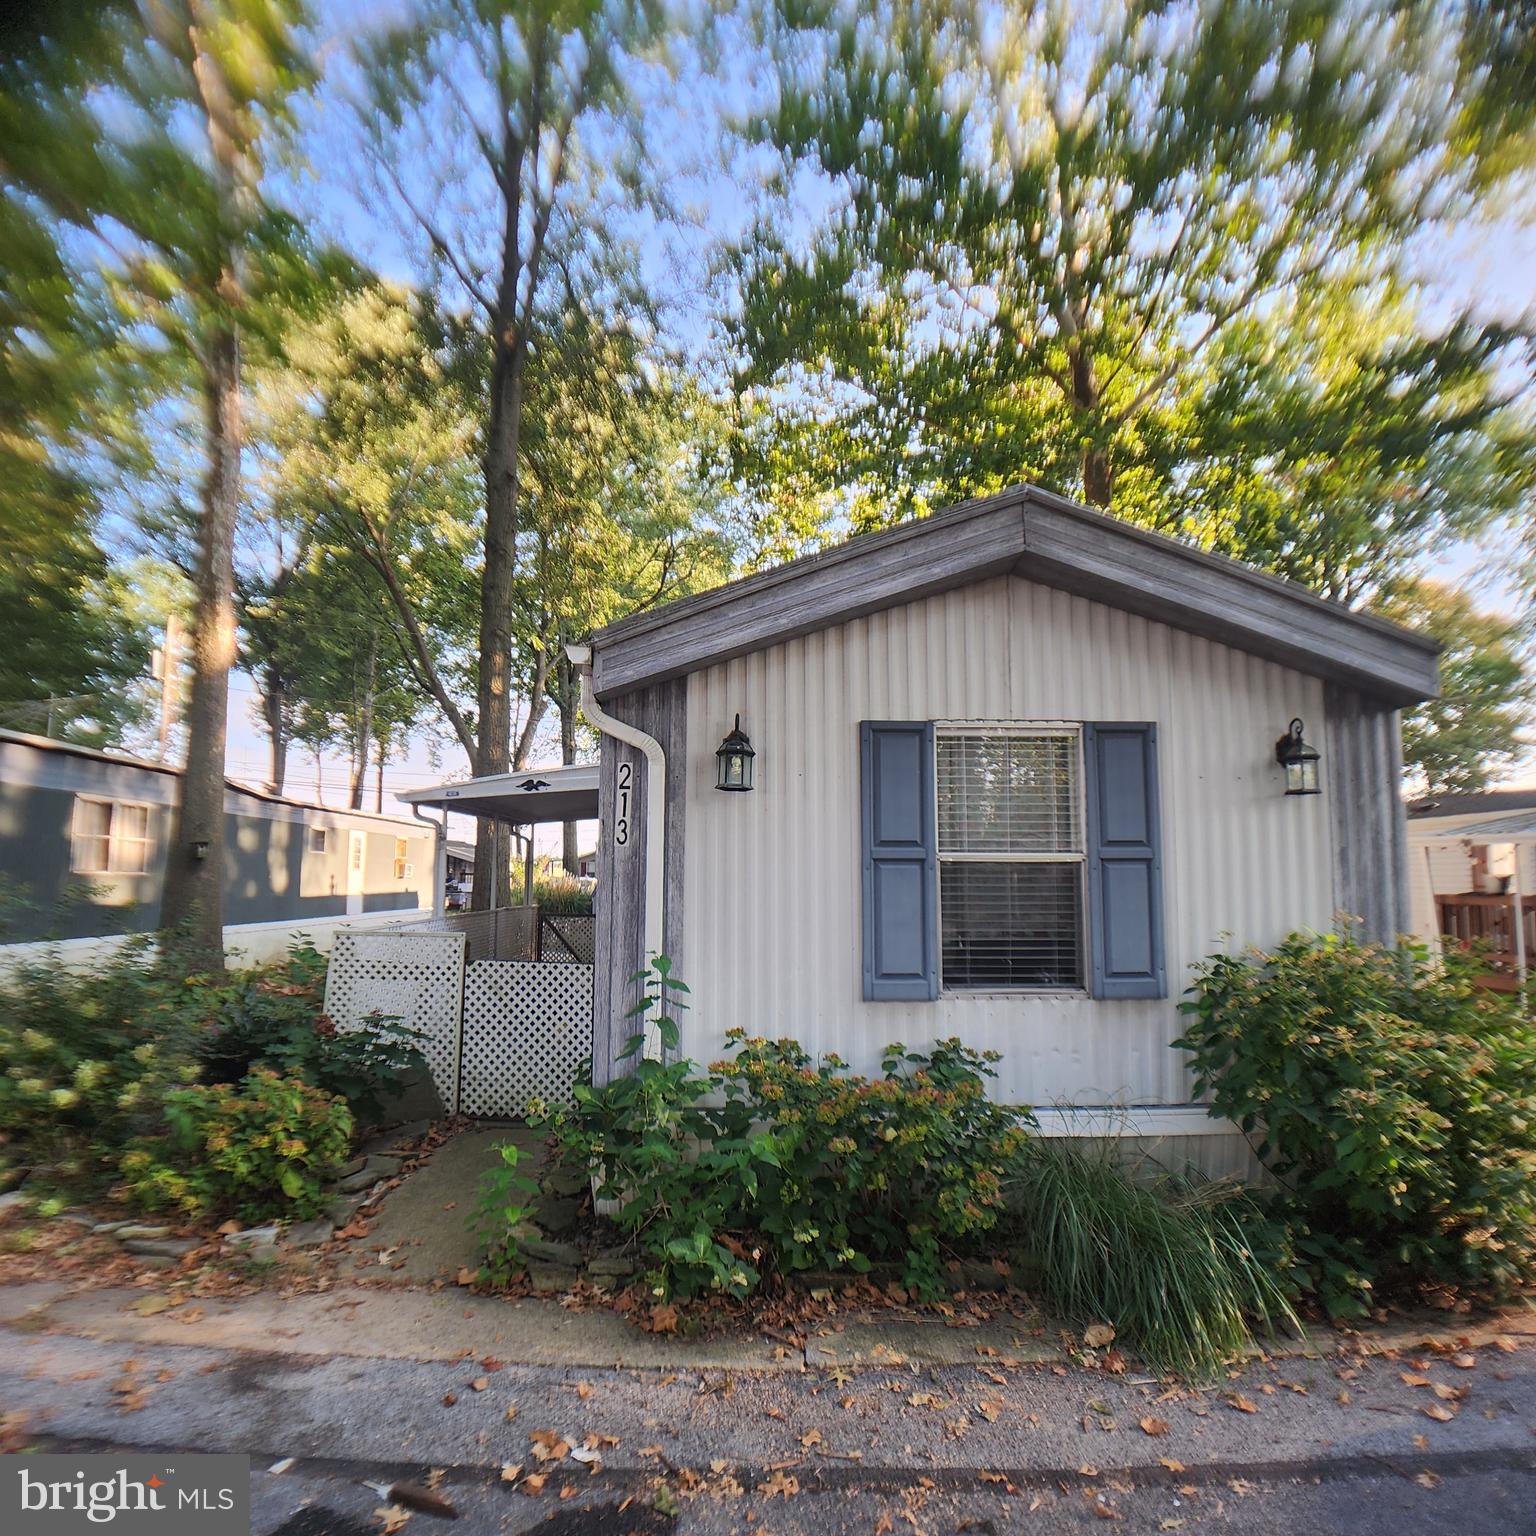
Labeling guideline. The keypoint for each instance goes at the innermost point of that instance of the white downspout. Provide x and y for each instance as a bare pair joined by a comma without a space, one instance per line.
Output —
439,859
655,815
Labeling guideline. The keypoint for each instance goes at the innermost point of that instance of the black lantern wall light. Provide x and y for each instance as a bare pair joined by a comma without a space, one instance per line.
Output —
1299,761
733,760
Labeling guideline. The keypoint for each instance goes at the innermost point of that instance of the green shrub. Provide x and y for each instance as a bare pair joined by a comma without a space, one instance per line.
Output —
259,1149
273,1017
1183,1270
770,1163
563,896
87,1060
1394,1101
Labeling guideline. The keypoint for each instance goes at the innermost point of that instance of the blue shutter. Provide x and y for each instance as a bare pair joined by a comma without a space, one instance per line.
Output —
900,862
1125,876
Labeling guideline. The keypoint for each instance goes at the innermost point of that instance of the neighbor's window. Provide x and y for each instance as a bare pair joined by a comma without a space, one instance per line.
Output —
400,864
1010,857
109,837
317,839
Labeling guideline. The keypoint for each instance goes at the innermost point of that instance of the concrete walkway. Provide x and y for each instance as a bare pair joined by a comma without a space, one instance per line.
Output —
425,1221
389,1323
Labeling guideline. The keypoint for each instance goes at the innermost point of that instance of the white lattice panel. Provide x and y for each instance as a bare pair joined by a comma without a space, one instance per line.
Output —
526,1030
415,977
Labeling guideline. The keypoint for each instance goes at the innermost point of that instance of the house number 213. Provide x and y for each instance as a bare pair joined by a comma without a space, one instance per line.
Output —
621,821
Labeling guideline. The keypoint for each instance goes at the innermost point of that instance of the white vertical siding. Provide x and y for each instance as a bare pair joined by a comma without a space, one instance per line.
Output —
772,886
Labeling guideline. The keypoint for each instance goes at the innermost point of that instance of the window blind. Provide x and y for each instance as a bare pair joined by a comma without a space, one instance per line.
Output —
1008,793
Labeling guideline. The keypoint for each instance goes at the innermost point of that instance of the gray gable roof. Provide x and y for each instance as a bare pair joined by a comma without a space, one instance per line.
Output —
1042,537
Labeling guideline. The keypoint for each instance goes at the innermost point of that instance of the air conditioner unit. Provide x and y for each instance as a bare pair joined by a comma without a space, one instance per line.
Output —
1501,860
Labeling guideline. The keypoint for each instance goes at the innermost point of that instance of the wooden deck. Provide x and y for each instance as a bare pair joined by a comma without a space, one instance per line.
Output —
1475,920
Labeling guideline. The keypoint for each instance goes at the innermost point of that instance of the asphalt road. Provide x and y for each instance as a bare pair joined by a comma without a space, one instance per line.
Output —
1290,1446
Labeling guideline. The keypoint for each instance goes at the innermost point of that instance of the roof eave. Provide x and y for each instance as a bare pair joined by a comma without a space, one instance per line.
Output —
1040,537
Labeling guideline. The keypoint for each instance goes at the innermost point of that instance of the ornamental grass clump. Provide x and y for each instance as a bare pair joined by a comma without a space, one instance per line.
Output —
1394,1101
1181,1268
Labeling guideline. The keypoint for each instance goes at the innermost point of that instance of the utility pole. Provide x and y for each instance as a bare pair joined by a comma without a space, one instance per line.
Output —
168,669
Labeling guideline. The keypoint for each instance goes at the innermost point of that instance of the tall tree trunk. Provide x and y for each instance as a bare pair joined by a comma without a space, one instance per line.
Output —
378,783
1098,471
192,908
192,904
364,737
274,707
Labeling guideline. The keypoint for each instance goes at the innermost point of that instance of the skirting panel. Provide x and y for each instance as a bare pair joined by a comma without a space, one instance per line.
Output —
417,978
526,1030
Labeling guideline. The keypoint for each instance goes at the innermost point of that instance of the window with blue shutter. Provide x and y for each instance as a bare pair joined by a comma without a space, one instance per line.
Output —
1125,882
899,861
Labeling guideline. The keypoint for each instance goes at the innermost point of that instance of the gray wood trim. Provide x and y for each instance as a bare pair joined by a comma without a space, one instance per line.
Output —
862,576
660,710
1361,776
1112,562
1043,538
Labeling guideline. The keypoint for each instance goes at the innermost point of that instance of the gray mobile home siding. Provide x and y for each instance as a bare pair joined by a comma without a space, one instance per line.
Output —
270,873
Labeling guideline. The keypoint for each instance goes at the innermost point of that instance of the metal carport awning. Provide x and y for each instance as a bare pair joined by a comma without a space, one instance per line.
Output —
524,799
532,796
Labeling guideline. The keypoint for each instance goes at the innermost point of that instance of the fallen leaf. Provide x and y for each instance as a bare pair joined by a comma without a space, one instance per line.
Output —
1414,1379
583,1390
1171,1463
449,1399
1449,1394
511,1412
1505,1345
1242,1404
1439,1412
534,1483
548,1445
1427,1480
480,1383
810,1437
392,1518
511,1471
1170,1523
664,1319
1154,1426
466,1276
989,1409
780,1484
1096,1336
1464,1362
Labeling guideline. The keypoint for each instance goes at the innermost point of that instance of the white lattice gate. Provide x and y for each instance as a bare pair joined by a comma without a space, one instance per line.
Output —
417,978
495,1034
526,1030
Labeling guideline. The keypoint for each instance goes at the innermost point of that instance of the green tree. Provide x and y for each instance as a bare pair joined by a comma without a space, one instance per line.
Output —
369,525
1473,732
1098,254
500,128
136,137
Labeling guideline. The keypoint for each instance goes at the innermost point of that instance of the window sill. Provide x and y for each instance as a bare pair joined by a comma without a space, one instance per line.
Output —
984,992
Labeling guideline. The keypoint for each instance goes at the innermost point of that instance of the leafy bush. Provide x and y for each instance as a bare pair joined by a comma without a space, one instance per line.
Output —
1183,1270
272,1017
772,1163
1395,1102
259,1149
88,1058
92,1059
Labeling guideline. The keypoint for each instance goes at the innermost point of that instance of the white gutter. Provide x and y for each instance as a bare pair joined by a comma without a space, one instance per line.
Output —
655,816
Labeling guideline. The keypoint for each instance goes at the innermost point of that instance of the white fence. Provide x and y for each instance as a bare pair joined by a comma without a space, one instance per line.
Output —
497,1033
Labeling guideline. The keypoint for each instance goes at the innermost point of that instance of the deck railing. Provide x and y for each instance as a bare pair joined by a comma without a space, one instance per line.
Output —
1473,919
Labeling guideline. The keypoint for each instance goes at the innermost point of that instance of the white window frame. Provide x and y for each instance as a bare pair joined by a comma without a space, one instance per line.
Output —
116,839
1030,728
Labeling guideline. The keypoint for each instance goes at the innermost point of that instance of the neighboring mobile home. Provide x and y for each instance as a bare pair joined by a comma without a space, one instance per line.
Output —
1014,771
82,852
